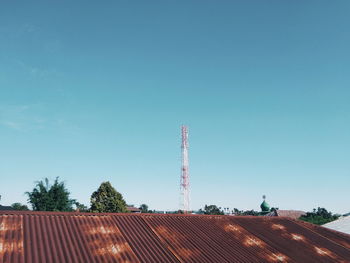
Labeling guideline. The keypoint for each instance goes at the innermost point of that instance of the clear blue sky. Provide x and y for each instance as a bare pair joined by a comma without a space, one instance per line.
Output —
93,92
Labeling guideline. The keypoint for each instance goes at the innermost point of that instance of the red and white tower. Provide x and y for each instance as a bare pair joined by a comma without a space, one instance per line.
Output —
185,177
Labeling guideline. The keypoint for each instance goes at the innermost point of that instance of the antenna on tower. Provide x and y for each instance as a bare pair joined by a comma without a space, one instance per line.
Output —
185,178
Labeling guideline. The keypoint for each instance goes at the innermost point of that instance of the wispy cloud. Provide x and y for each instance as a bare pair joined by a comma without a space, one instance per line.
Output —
12,124
33,117
21,117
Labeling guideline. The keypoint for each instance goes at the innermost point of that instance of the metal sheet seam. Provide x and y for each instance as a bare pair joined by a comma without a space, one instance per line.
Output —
121,227
81,241
180,225
164,242
204,237
336,243
78,239
140,230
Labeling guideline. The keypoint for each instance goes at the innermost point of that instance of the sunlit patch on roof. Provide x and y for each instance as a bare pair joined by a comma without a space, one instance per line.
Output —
105,239
278,227
298,237
162,230
103,230
233,228
115,249
252,241
166,232
11,237
278,257
112,248
7,226
324,252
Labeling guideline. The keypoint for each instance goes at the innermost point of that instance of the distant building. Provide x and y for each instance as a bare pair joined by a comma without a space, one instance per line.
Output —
267,211
265,207
6,208
132,209
294,214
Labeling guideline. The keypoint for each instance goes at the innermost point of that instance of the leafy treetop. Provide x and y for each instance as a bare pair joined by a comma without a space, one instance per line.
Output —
46,197
238,212
319,216
19,206
107,200
211,210
144,209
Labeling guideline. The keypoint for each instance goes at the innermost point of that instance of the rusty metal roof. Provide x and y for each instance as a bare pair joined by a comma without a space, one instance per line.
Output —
82,237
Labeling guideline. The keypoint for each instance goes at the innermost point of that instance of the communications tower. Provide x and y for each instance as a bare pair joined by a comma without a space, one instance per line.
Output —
185,177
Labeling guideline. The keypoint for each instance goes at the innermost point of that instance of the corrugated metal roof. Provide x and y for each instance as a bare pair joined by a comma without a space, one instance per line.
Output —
81,237
294,241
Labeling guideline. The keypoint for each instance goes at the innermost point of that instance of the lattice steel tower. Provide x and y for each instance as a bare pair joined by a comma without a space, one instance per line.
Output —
185,177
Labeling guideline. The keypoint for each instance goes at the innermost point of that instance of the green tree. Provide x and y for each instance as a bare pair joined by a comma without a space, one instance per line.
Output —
250,213
81,207
211,210
319,216
46,197
238,212
144,209
19,206
107,200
